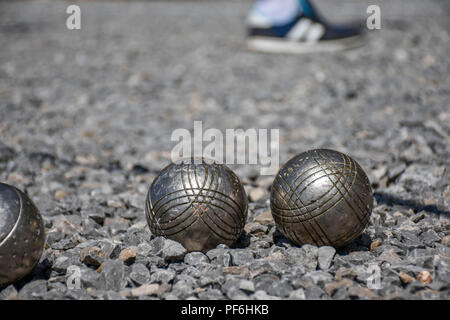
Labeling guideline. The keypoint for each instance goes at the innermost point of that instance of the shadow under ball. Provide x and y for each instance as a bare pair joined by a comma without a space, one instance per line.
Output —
22,234
199,205
321,197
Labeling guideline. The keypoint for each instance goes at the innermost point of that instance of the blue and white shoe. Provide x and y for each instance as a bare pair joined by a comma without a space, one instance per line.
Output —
305,32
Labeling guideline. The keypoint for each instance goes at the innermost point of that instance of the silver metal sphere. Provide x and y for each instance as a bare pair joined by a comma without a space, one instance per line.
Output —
199,205
22,234
321,197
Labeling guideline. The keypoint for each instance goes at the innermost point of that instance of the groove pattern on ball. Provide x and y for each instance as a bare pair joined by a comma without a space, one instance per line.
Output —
22,234
199,205
321,197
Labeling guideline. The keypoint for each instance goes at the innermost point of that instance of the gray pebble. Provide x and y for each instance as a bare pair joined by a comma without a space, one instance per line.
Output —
325,257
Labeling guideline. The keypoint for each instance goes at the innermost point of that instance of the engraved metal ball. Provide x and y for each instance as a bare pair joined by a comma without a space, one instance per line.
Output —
22,234
198,203
321,197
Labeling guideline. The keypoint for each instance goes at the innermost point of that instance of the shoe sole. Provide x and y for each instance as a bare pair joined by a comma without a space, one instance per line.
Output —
265,44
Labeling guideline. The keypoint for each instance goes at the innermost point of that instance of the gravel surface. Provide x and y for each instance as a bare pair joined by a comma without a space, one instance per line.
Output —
86,119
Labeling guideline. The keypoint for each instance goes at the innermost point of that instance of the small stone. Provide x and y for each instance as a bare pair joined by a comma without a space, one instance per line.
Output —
341,294
378,173
265,281
8,293
417,217
184,287
169,250
315,293
33,289
163,288
358,257
246,286
409,236
219,256
275,256
396,171
62,263
398,215
68,225
116,225
236,294
98,216
86,160
446,239
376,243
211,294
162,275
255,228
195,258
54,237
319,277
425,277
140,274
298,294
430,237
345,273
390,222
264,217
421,257
410,226
332,287
89,278
111,248
115,204
310,250
240,270
148,289
256,194
92,256
16,178
60,194
261,295
389,256
241,257
113,275
405,278
144,249
302,257
325,257
139,169
66,244
128,255
112,295
230,282
280,288
361,293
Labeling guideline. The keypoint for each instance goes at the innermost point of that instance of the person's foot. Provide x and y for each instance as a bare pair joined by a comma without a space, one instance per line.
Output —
305,32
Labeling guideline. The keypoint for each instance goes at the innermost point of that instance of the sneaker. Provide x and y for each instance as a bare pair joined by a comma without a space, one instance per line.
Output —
307,32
